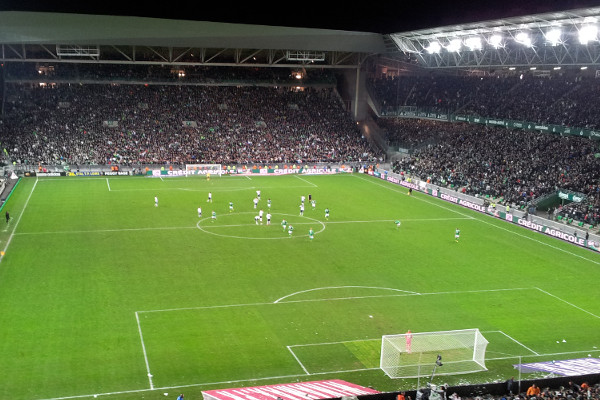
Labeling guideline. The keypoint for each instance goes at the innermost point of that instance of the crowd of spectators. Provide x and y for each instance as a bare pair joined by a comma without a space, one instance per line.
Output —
568,99
79,124
513,165
571,391
165,74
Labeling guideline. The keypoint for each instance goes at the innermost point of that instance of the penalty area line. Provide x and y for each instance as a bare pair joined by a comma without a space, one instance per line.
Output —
137,318
298,360
305,181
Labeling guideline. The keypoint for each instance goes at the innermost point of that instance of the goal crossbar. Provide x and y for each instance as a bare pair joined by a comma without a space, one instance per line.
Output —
203,169
412,355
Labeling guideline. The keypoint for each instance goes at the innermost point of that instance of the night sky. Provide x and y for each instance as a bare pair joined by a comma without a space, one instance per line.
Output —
386,16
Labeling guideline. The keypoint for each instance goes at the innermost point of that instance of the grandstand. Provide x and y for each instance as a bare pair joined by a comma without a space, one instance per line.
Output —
494,125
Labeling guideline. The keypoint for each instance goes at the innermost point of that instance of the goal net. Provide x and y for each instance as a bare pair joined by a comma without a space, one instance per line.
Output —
412,355
203,170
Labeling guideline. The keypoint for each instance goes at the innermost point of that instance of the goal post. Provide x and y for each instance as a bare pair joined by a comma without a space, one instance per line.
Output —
413,355
203,170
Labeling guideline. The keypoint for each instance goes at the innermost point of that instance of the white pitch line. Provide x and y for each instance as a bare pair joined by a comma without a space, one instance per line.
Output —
436,204
137,318
519,343
305,181
342,287
298,360
342,222
339,342
108,230
19,219
479,219
566,302
333,299
108,184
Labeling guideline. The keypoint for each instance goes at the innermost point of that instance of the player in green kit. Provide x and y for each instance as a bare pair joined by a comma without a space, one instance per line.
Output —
398,223
214,216
456,234
284,224
290,230
327,213
230,206
311,234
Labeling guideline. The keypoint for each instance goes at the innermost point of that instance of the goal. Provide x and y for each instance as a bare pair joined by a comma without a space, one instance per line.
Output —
203,170
413,355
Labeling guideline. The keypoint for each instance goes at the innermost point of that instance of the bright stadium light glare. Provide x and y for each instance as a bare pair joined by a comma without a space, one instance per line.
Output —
588,33
523,38
434,47
495,41
473,43
454,45
553,36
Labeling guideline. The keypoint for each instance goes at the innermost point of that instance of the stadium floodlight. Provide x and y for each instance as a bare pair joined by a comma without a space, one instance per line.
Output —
524,39
433,47
588,33
553,36
495,41
473,43
454,45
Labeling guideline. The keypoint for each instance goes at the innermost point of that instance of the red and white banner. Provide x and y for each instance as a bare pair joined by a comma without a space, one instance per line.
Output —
291,391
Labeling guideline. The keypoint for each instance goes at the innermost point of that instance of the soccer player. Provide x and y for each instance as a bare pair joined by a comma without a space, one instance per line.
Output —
269,203
256,218
302,209
313,203
155,201
290,230
408,338
398,223
302,198
209,200
199,212
311,234
284,224
268,218
456,234
258,194
260,214
231,206
214,216
255,202
327,213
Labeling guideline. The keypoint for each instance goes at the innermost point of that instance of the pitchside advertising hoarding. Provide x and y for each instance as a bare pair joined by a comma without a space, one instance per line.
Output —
315,390
253,170
475,205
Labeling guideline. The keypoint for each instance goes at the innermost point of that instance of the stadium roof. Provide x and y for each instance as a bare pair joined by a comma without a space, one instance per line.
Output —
71,37
80,30
562,38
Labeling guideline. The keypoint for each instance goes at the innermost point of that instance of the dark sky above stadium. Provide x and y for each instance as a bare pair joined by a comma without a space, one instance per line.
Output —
385,16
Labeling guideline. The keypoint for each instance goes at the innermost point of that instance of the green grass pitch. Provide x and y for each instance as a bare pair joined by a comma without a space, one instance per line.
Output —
103,293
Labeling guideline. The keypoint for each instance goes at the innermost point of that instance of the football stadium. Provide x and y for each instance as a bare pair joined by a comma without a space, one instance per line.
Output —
214,211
